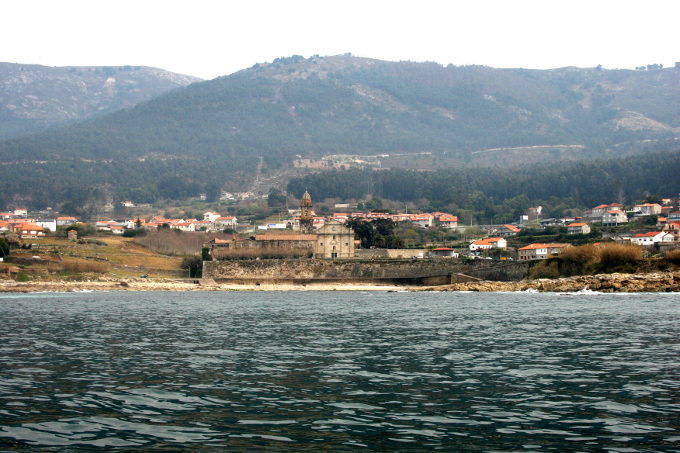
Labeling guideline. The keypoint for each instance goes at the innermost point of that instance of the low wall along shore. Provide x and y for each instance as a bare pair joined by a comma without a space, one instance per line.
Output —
405,271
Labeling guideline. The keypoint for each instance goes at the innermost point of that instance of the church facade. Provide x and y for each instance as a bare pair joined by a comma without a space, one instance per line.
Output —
334,240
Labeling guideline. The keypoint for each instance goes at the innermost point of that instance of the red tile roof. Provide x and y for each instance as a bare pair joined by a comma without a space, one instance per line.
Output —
543,246
285,237
651,234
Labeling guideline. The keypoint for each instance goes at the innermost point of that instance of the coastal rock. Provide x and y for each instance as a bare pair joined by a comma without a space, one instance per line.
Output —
652,282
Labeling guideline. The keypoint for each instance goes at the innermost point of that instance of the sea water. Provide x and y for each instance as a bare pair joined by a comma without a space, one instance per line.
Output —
339,371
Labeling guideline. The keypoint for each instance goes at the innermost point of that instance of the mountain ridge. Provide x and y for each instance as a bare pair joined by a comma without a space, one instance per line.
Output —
217,133
35,97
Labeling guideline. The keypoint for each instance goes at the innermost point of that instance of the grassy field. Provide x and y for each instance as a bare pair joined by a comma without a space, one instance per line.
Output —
107,255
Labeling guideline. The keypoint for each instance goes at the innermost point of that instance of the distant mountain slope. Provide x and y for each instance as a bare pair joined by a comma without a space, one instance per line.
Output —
213,133
352,105
33,97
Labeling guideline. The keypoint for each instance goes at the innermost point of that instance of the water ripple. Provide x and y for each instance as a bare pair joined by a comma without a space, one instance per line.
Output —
343,371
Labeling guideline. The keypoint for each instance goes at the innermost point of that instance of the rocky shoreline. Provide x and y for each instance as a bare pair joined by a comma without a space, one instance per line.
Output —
608,283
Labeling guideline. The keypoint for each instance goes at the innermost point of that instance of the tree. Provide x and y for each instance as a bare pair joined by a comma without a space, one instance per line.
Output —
377,233
194,265
4,247
276,199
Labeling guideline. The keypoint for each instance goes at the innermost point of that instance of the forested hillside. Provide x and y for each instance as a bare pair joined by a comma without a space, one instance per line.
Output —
34,97
491,192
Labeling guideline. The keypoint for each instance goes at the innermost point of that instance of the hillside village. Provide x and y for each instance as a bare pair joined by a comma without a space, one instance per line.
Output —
653,226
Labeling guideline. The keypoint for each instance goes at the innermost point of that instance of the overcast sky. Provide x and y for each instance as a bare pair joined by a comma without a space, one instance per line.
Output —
209,38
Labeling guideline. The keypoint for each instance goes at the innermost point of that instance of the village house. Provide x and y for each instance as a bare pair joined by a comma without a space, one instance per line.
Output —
598,211
578,228
448,221
340,217
66,221
614,217
223,222
443,252
488,243
508,230
646,209
30,231
673,228
47,224
651,238
187,226
211,216
422,220
540,251
674,216
105,225
133,223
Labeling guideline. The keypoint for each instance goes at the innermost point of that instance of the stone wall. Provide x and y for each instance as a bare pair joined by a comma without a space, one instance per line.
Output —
391,253
412,271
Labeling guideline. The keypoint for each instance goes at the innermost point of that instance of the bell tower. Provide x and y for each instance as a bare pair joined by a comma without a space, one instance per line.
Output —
306,214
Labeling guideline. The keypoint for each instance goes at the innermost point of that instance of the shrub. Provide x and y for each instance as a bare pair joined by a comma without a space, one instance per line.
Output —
578,260
134,232
583,254
545,269
85,266
618,254
673,256
194,265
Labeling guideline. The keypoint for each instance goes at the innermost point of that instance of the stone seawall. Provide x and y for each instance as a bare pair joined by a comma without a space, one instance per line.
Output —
407,271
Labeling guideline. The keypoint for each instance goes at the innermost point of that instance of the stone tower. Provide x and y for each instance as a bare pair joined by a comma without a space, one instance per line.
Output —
306,214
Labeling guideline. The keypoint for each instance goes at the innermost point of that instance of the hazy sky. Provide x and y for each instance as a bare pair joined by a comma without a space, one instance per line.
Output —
208,38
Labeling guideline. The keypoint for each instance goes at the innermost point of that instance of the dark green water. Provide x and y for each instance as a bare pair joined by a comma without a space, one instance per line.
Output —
340,371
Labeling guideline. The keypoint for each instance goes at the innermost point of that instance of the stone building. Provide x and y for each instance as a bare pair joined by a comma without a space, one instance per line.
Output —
334,240
306,214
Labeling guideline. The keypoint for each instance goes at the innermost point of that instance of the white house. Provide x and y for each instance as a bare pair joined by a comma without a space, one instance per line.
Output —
186,226
47,224
651,238
211,216
488,243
